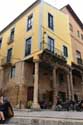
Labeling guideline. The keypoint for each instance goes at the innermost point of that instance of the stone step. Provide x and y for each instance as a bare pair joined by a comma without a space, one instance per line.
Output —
46,118
19,121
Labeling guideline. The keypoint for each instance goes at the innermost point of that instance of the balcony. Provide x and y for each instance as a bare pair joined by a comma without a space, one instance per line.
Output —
5,62
79,61
53,52
10,40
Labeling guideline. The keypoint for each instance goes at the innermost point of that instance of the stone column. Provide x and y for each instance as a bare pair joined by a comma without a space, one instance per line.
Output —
35,94
20,73
68,85
1,77
71,85
82,84
54,88
20,82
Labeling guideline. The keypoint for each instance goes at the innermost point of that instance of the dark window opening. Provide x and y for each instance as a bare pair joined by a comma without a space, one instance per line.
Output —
65,51
12,72
78,56
29,22
78,33
50,44
28,47
50,21
12,35
9,55
71,27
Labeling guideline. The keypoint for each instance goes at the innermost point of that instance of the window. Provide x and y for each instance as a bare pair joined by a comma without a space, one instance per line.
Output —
78,54
29,22
12,35
78,33
9,55
65,51
71,27
0,42
50,21
12,72
28,47
82,36
50,44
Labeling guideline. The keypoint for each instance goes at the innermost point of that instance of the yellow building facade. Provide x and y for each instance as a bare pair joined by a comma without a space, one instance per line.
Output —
36,56
39,13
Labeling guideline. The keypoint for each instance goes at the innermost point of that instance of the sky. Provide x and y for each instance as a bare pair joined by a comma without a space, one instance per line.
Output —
10,9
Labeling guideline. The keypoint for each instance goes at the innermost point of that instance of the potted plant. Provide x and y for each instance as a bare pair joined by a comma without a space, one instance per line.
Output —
29,104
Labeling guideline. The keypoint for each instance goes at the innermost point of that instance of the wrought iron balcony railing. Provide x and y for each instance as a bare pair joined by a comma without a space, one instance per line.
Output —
5,61
51,49
79,61
10,40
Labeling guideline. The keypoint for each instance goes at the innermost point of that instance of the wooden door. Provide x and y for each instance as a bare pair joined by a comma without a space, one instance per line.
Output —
30,93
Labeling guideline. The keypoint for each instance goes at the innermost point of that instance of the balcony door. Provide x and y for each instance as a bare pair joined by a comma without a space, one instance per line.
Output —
9,55
28,46
78,57
51,44
30,93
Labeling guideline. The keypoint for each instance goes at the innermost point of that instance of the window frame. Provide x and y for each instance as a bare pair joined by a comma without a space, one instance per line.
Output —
51,44
70,27
67,54
29,22
9,60
50,21
12,34
12,72
78,54
78,33
78,57
25,55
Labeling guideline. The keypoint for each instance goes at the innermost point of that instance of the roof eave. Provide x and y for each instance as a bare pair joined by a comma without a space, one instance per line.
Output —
36,2
74,15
